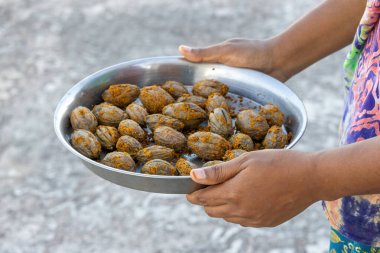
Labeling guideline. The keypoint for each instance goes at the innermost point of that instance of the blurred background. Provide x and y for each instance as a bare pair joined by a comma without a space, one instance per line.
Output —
49,202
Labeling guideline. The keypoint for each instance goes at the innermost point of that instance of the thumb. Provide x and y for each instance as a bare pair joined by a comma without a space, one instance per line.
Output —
207,54
216,174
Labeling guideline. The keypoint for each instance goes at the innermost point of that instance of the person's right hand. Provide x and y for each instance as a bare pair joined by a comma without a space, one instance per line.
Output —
254,54
260,188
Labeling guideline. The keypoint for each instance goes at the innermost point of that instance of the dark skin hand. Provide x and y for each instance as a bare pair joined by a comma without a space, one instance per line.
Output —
299,46
244,53
266,188
258,189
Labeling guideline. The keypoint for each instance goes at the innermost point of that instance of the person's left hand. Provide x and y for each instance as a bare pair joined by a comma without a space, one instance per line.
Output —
258,189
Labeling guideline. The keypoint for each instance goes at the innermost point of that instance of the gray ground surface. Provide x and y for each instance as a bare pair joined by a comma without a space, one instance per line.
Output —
49,202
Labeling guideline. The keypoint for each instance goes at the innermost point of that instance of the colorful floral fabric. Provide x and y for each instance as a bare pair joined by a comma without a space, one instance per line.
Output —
341,244
358,217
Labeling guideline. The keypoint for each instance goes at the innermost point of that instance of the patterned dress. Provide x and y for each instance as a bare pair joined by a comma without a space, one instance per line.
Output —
357,218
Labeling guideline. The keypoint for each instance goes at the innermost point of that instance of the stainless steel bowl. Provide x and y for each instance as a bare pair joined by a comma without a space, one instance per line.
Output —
248,83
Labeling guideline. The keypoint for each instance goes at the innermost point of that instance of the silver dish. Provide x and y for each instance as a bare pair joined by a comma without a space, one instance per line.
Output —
248,83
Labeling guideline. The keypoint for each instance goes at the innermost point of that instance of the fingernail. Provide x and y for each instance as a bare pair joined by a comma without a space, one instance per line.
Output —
185,48
199,173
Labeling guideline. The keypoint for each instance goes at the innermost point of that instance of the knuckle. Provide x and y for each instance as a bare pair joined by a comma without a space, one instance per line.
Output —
210,212
230,220
190,198
244,156
197,54
216,173
195,199
233,196
202,201
246,159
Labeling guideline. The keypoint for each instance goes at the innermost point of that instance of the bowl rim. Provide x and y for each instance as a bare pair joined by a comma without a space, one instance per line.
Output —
62,101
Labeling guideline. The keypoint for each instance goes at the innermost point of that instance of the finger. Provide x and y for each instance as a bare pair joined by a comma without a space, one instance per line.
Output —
246,222
221,211
216,174
237,220
210,196
208,54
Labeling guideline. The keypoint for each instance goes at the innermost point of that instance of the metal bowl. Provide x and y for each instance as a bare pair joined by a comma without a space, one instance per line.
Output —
248,83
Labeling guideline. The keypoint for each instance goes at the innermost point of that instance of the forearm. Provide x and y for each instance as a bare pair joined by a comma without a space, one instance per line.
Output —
326,29
348,170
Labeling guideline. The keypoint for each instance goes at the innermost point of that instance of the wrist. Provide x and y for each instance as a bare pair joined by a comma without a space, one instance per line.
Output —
277,59
310,181
323,181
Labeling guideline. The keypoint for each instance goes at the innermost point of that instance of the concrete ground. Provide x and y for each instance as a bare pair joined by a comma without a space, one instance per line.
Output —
49,202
